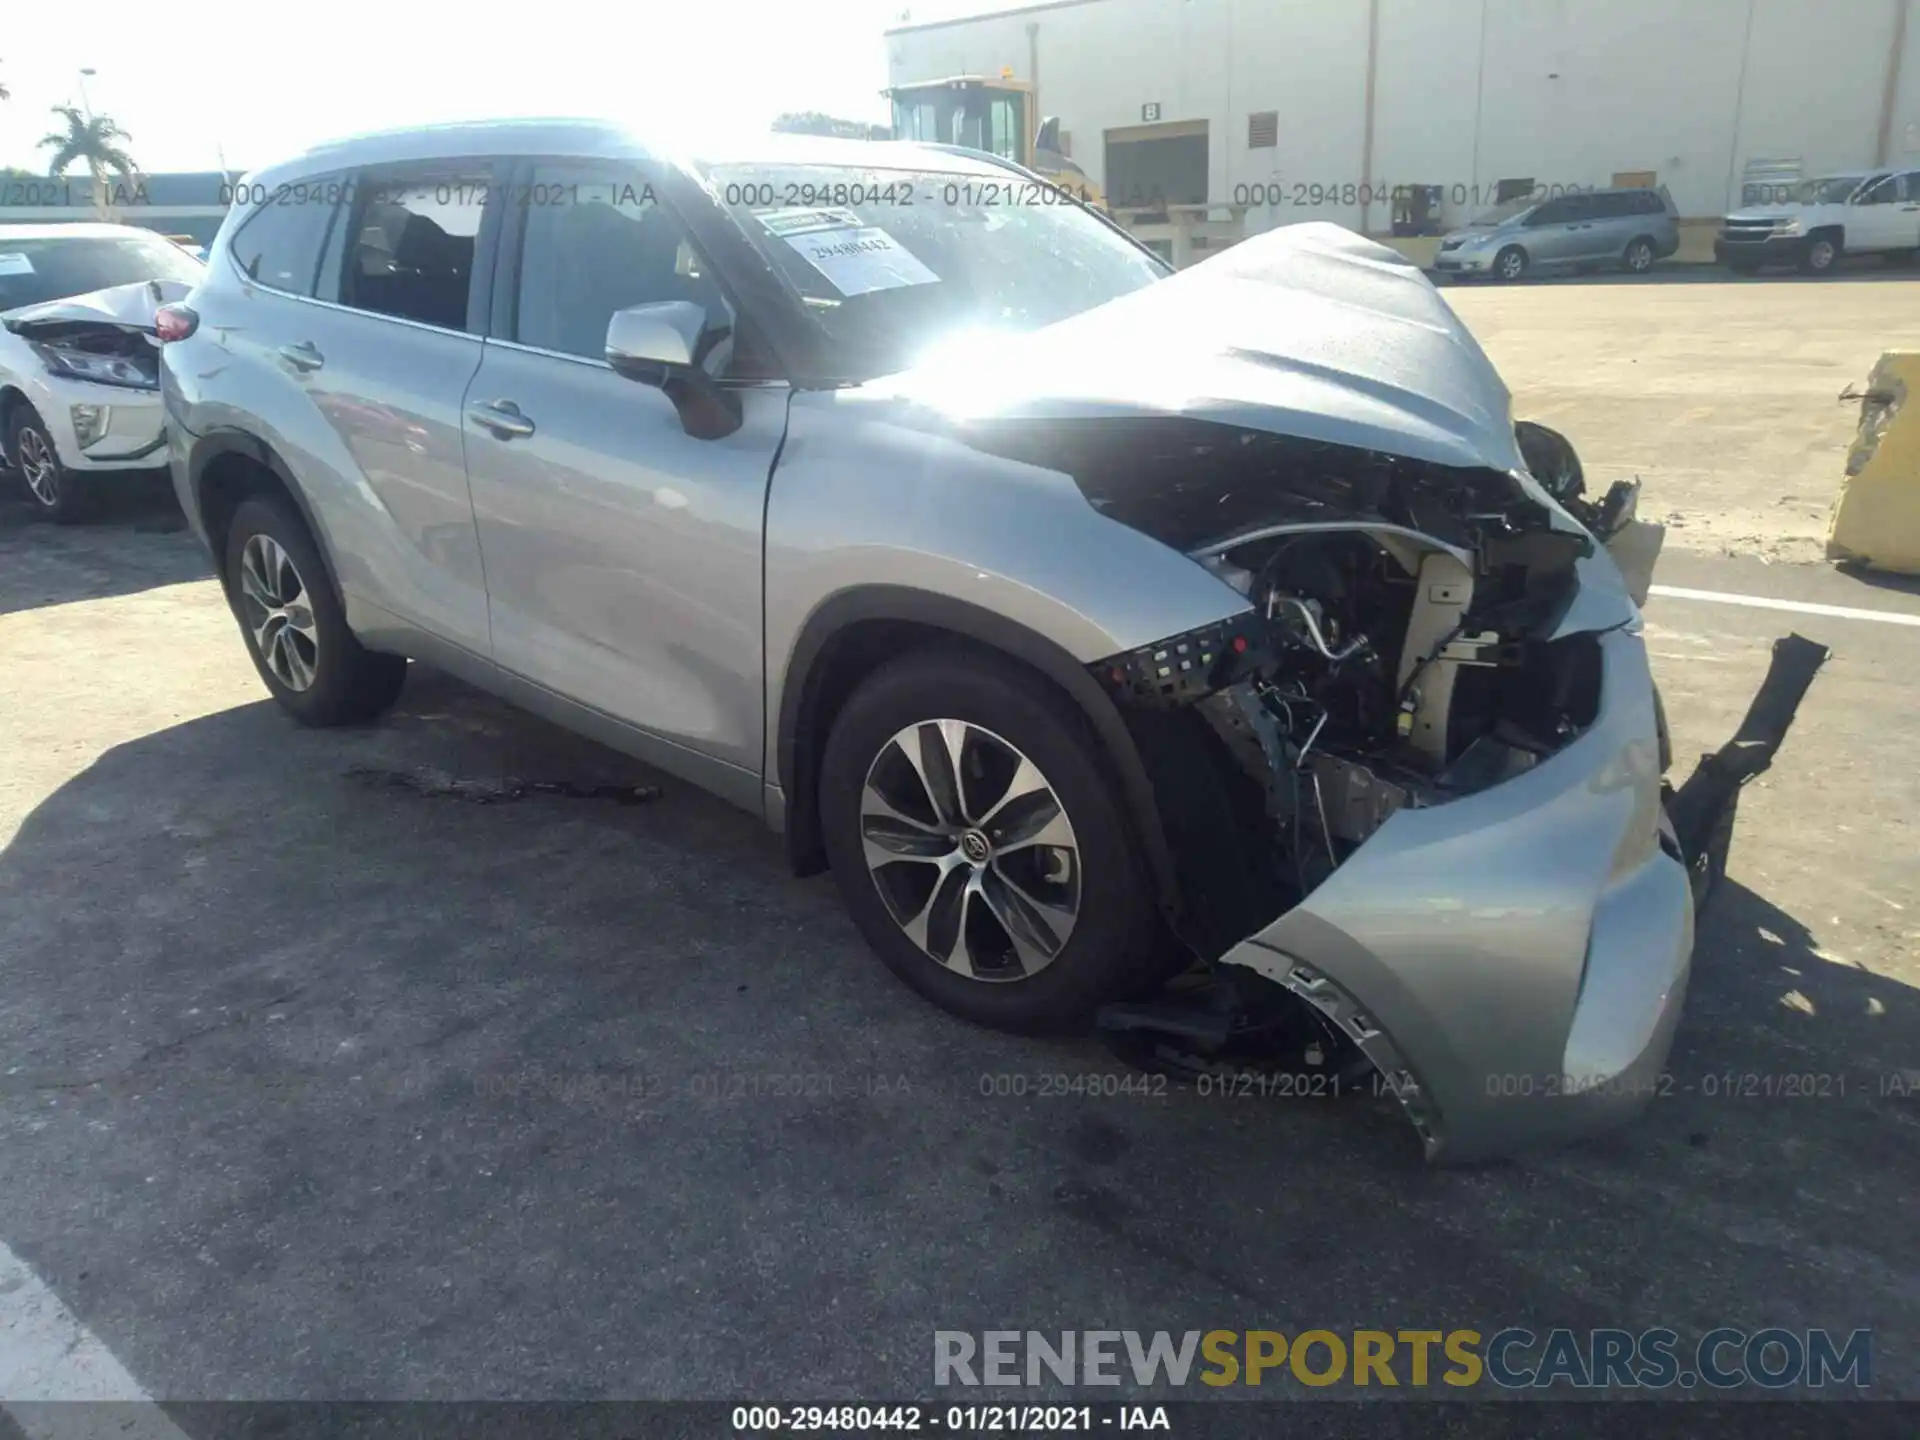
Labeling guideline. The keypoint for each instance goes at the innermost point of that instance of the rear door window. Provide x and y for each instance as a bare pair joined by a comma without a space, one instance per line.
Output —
279,245
410,242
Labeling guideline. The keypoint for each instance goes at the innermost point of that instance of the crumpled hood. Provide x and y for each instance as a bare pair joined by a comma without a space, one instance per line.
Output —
126,307
1310,330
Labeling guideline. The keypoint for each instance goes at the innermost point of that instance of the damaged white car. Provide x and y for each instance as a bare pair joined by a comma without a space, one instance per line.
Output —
79,365
1093,623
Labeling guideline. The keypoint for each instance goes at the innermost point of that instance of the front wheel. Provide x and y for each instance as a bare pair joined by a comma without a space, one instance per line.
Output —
295,630
57,493
1820,256
979,846
1511,263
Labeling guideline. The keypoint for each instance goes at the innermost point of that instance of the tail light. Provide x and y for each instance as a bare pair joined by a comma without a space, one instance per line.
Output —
174,322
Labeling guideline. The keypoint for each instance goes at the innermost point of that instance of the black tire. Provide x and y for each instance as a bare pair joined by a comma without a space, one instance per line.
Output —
1639,257
1510,264
1820,255
59,495
349,683
1115,948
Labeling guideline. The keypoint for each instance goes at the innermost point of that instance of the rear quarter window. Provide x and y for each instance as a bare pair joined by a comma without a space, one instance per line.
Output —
279,245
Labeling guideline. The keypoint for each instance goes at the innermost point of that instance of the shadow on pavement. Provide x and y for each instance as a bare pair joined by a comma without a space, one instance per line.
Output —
1882,579
135,539
317,1089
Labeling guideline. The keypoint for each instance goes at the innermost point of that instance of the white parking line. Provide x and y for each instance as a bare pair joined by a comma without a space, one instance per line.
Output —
48,1360
1799,607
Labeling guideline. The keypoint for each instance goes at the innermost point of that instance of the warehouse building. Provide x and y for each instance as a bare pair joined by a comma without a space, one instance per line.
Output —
186,205
1219,118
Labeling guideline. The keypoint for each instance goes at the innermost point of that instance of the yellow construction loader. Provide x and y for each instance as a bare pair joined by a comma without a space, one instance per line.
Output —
996,115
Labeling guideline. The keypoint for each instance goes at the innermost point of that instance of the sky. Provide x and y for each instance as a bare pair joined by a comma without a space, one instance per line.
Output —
195,82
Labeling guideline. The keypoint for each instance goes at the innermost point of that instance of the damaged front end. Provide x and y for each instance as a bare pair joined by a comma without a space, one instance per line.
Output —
1416,782
106,337
1410,773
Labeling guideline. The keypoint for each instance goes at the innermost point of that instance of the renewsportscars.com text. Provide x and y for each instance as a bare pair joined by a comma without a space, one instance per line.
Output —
1513,1358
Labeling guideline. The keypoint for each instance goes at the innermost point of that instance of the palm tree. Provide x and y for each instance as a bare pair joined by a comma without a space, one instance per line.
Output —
95,141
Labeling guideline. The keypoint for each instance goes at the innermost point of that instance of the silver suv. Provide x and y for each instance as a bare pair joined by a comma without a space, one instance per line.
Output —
1085,619
1588,229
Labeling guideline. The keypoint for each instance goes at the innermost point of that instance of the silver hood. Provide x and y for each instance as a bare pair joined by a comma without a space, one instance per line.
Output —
1310,330
125,307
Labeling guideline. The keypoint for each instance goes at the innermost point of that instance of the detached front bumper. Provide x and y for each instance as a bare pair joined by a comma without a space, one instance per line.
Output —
1514,961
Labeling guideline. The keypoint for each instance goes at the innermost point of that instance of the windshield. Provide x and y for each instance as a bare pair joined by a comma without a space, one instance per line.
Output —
53,268
892,263
1505,212
1833,190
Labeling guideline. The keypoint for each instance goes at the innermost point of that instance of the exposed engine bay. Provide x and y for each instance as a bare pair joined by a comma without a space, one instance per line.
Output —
1398,651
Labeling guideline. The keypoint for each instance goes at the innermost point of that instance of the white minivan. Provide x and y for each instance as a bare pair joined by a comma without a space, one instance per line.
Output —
1859,212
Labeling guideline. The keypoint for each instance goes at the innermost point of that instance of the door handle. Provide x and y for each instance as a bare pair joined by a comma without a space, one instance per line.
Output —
304,357
502,417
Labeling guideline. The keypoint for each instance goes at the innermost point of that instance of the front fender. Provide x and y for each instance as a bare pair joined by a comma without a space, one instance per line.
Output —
875,515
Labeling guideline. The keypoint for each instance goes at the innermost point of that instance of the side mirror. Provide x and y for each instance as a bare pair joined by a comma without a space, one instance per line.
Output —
665,344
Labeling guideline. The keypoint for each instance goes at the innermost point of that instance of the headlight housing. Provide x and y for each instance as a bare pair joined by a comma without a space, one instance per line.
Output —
1788,225
121,370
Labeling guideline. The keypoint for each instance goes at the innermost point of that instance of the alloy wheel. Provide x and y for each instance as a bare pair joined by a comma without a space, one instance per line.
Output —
971,850
1640,258
38,464
278,612
1512,265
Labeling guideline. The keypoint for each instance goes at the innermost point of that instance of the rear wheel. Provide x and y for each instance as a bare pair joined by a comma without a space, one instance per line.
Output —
55,491
1639,257
295,630
1511,263
979,846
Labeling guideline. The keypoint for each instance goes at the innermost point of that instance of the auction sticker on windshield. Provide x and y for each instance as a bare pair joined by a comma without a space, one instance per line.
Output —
855,257
15,264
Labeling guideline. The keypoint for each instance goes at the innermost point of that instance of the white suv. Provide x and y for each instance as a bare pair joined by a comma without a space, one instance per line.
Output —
79,369
1860,212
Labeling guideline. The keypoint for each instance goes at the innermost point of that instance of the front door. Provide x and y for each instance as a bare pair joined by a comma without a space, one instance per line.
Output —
623,556
1559,232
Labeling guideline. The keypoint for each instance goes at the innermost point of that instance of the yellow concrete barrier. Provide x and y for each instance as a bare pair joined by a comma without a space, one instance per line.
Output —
1876,518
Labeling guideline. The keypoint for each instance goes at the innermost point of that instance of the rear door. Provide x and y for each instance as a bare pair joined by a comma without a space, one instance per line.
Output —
1615,219
623,555
386,356
1884,216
